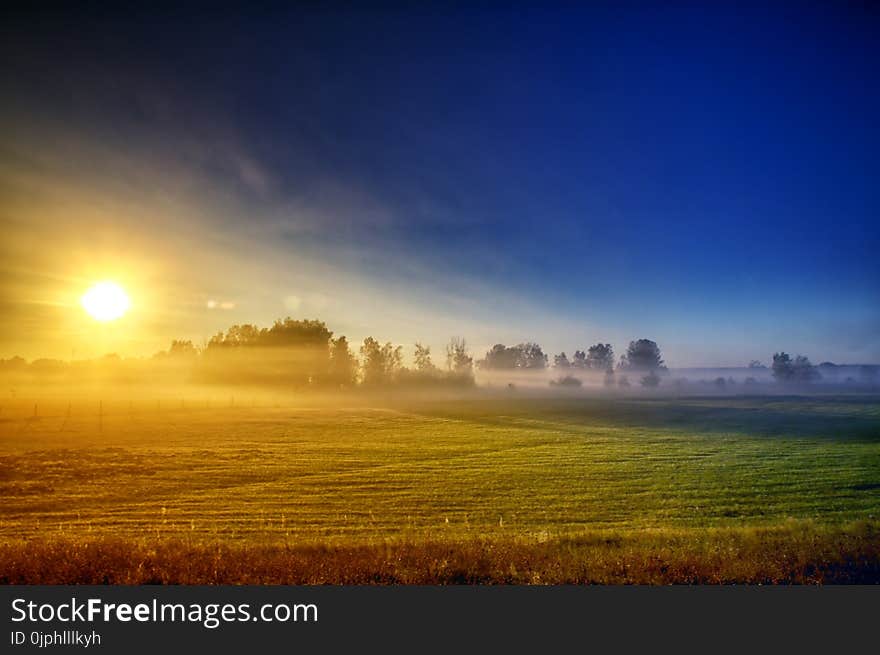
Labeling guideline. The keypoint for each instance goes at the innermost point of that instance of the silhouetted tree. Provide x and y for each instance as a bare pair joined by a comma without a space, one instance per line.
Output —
799,369
236,336
804,371
756,364
531,356
380,362
642,355
181,348
523,356
783,367
579,360
458,359
343,364
600,357
499,357
422,359
561,361
290,352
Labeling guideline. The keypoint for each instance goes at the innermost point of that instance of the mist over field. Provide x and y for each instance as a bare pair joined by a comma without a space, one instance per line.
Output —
300,359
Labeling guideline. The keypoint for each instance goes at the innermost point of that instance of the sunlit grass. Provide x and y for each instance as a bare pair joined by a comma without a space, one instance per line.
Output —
458,473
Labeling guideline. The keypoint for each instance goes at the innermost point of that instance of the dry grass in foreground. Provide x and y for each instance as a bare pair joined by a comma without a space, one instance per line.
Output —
797,553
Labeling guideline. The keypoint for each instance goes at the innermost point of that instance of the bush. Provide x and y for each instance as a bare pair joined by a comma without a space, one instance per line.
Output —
566,381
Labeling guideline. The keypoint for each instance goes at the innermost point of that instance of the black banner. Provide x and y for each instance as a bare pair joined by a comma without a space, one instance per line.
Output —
233,619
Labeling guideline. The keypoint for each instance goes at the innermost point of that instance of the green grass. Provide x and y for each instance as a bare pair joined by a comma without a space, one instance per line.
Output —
527,471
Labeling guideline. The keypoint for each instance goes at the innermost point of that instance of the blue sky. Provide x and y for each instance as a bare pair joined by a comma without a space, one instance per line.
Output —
704,177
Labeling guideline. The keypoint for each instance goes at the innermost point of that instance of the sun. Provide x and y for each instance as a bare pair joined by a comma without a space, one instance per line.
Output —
105,301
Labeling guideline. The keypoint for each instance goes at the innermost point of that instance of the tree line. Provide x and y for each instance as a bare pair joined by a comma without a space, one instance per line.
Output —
307,353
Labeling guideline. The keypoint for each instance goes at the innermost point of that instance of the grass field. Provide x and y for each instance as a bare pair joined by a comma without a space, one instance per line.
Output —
719,487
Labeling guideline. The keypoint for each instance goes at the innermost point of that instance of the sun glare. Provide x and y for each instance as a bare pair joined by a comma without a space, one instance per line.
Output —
105,301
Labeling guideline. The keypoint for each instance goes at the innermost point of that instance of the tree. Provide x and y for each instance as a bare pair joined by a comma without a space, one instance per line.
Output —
579,360
561,361
642,355
783,368
600,357
803,370
343,364
289,352
422,359
527,355
499,357
799,369
756,364
531,356
381,363
180,348
566,381
283,333
651,380
458,359
236,336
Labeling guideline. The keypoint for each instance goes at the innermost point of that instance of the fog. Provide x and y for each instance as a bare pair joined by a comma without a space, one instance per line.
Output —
298,376
682,381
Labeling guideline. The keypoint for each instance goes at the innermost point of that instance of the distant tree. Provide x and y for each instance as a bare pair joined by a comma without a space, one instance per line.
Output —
422,359
236,336
561,361
623,382
756,364
579,360
783,367
720,382
600,357
499,357
804,371
458,358
283,333
651,380
343,364
642,355
523,356
182,349
13,364
799,369
566,381
608,381
750,382
306,334
531,356
289,352
380,362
